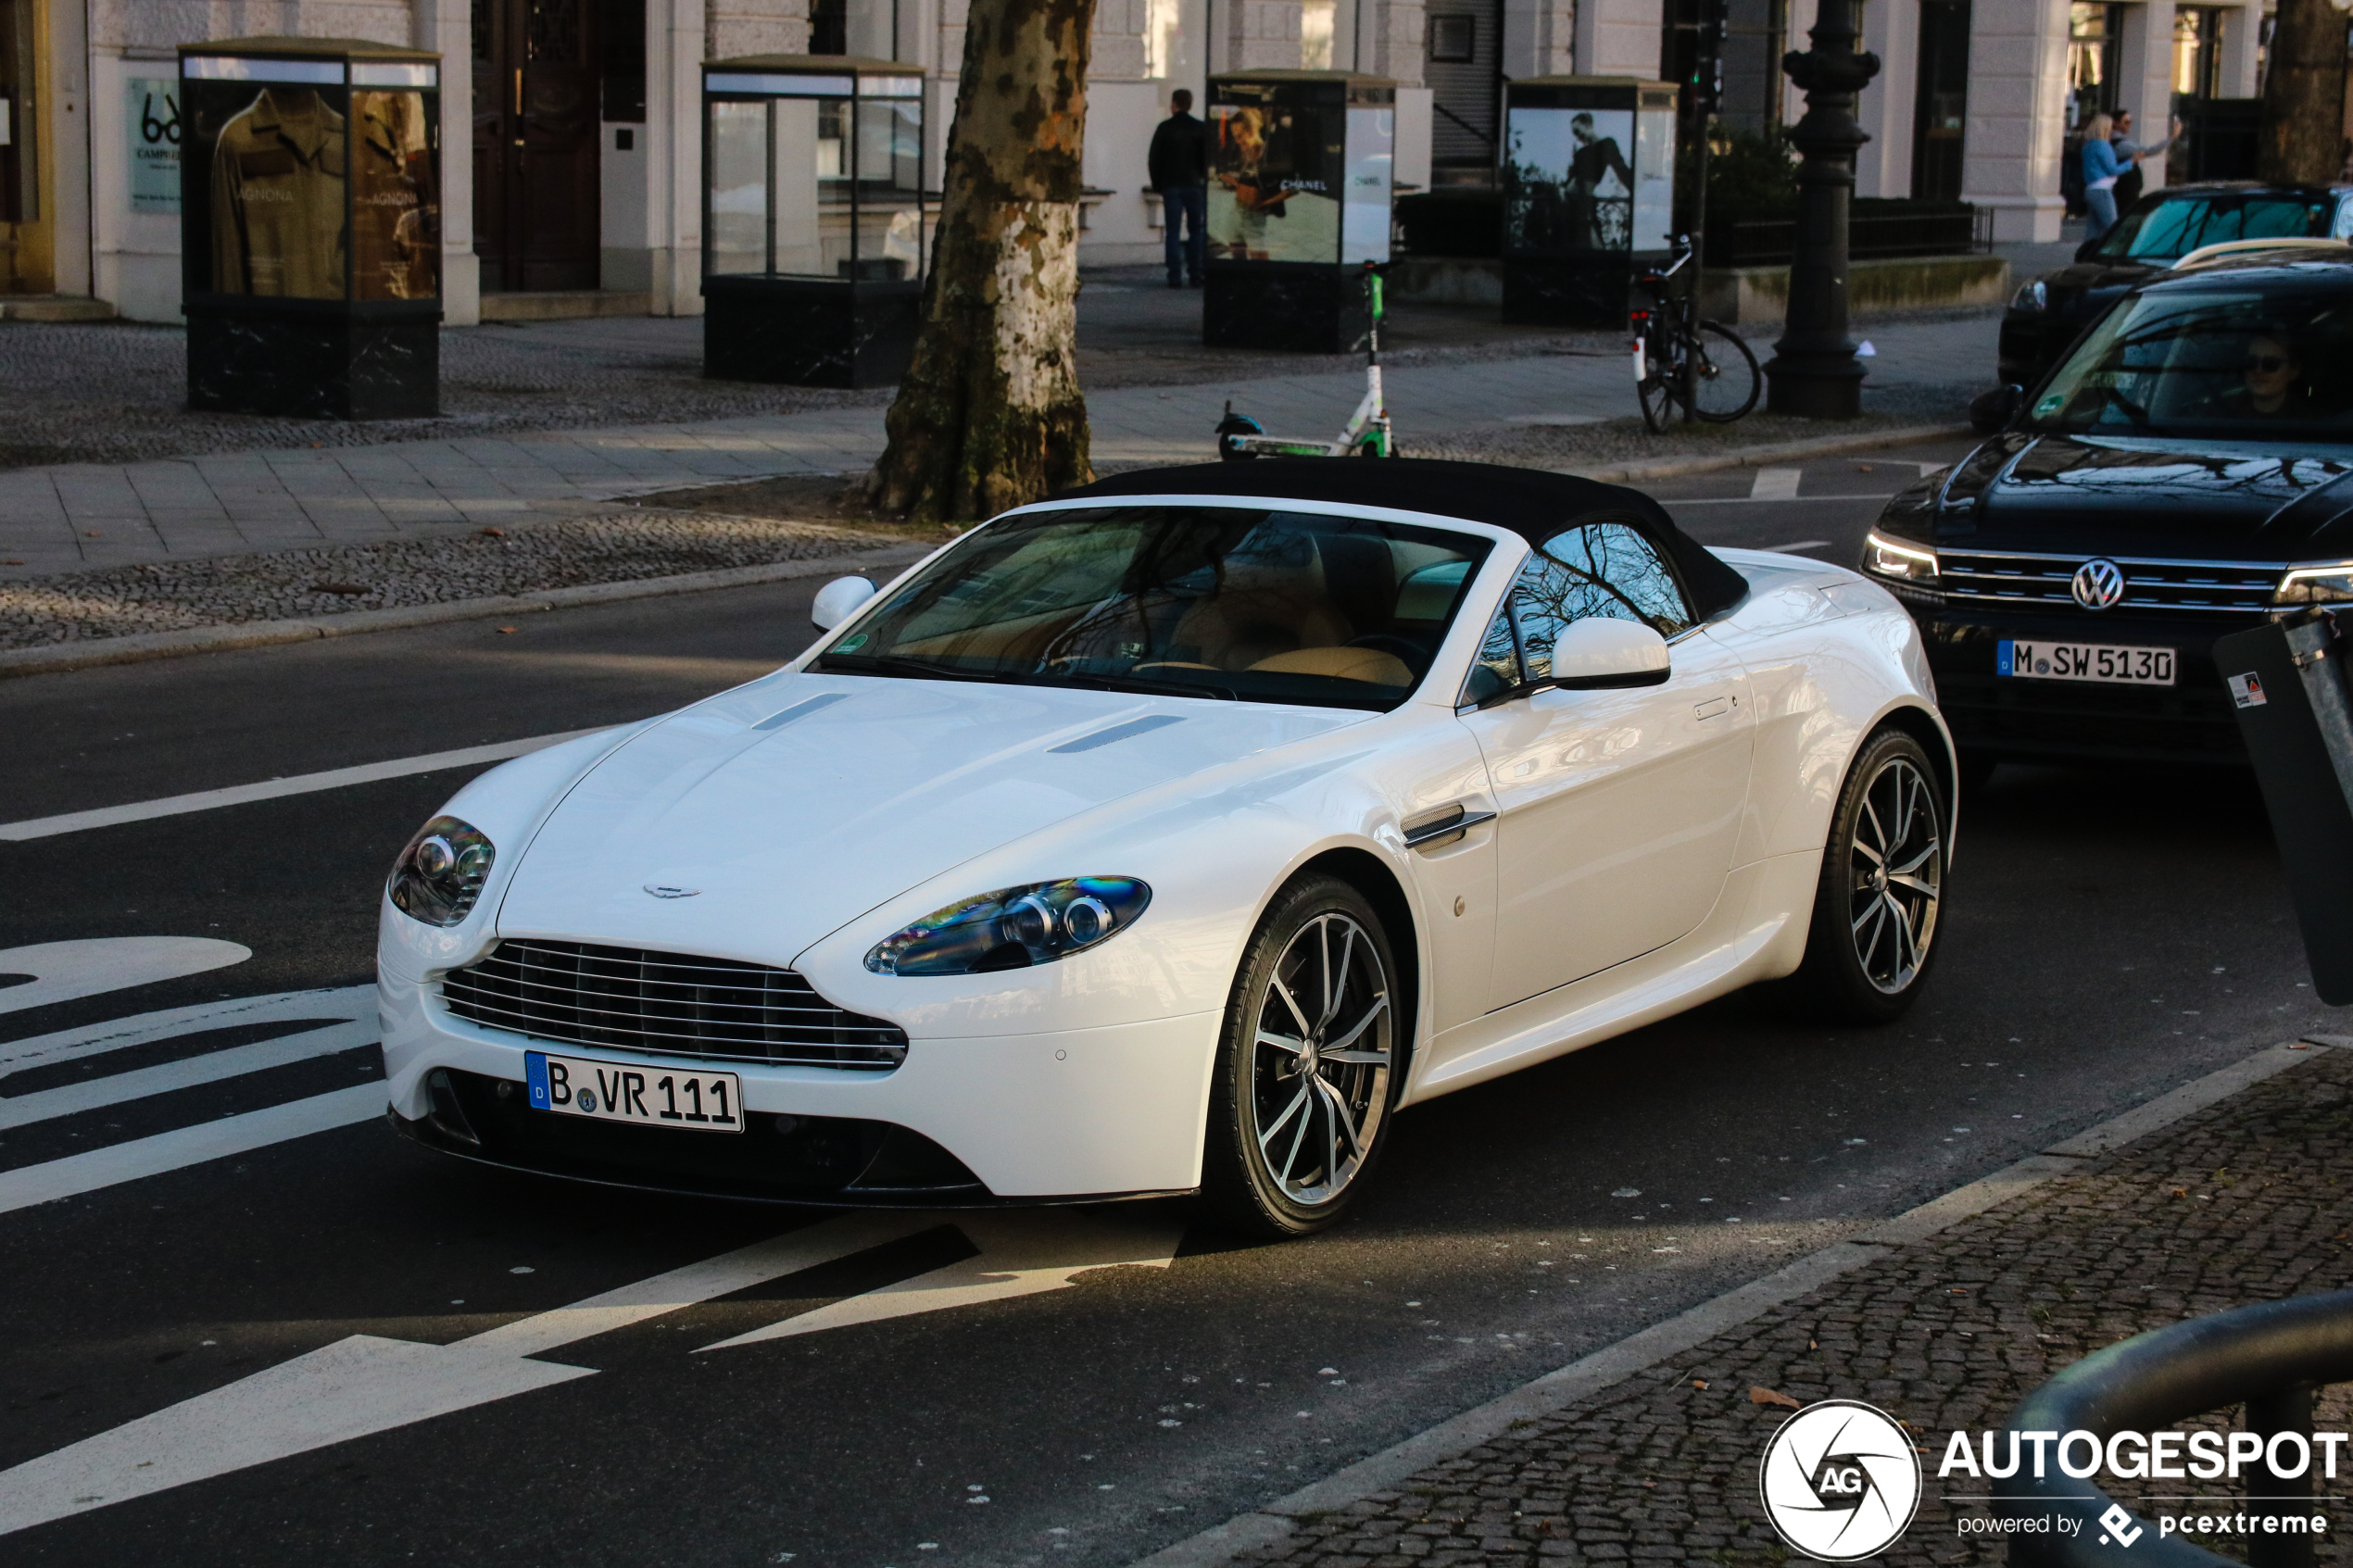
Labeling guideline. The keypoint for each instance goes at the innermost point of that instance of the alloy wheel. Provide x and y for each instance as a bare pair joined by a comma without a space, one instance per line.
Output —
1895,876
1320,1055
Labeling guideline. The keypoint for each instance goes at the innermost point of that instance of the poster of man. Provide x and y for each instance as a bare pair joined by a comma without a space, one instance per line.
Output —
1571,188
1274,193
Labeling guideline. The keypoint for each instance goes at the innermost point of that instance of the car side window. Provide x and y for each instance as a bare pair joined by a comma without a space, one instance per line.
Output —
1593,569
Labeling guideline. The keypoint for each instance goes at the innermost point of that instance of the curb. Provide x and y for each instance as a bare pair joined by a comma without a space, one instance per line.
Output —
58,657
1270,1523
1740,457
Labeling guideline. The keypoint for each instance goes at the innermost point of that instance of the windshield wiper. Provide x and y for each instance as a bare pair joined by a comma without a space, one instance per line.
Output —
1135,684
896,664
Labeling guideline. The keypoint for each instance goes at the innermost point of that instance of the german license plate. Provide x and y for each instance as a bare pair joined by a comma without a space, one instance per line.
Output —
2083,661
622,1091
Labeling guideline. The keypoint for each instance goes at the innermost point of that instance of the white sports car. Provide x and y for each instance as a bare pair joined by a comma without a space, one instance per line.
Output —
1167,837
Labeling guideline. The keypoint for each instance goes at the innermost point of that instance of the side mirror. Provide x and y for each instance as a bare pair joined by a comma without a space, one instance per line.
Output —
1598,654
1989,412
839,599
2083,252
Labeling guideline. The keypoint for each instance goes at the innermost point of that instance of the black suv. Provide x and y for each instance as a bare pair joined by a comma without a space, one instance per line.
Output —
2164,226
2185,471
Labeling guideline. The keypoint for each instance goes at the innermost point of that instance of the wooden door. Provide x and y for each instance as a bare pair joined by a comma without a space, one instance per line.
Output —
535,76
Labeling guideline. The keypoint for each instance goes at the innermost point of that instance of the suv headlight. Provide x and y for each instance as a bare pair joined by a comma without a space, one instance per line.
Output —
1014,927
2330,582
1884,557
439,876
2033,297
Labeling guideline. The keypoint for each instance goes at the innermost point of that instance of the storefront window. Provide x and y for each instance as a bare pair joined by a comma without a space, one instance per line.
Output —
2094,37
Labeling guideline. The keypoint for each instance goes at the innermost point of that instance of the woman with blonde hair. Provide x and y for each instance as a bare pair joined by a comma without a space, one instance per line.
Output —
2101,168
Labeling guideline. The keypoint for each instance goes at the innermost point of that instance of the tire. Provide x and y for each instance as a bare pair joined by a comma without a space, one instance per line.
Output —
1656,389
1287,1151
1724,378
1873,938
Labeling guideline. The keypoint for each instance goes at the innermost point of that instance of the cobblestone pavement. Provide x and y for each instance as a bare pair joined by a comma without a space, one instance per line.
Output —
122,601
2249,1201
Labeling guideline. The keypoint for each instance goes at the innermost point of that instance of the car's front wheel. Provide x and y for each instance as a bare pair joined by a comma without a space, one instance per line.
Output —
1875,923
1312,1040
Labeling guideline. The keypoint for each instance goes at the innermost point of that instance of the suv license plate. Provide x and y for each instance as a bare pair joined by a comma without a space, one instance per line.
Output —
2083,661
621,1091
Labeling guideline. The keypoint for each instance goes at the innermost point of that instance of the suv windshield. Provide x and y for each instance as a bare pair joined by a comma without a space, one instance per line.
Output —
2173,228
2224,361
1246,603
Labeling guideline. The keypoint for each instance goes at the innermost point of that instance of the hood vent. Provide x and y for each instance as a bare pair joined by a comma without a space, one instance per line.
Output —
1127,730
801,710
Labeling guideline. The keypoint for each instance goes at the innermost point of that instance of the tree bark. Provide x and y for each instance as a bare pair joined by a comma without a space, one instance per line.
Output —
989,415
2304,94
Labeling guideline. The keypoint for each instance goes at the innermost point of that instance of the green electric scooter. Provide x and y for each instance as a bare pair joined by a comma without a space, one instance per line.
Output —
1367,434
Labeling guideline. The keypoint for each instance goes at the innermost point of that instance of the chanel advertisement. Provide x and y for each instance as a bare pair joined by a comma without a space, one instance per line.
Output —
1571,186
1277,171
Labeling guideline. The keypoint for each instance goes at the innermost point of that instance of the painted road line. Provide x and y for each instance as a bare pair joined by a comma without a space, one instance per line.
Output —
1775,485
211,1067
1794,545
65,971
115,1034
364,1385
272,790
77,1173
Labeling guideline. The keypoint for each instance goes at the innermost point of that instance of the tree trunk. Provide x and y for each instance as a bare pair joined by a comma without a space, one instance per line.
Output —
989,415
2304,94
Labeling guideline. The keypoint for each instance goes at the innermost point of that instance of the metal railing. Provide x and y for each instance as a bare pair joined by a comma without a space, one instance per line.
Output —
2269,1357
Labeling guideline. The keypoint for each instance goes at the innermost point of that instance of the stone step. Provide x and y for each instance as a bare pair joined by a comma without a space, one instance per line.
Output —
565,305
53,308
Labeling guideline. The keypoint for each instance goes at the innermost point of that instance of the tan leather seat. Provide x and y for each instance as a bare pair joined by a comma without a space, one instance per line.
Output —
1261,615
1344,664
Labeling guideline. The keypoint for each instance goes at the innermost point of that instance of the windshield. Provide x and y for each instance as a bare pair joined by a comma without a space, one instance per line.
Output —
2173,228
2231,362
1243,603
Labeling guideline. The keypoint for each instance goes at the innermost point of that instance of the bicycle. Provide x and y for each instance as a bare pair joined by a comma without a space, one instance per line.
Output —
1366,433
1701,365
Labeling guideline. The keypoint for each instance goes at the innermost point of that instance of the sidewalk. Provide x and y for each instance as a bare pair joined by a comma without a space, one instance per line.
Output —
85,515
2249,1200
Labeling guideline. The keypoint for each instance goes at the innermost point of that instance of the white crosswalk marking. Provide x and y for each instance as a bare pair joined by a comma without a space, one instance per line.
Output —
66,972
1775,485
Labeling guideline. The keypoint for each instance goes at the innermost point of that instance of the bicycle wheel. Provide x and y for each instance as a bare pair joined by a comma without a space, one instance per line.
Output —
1656,389
1724,379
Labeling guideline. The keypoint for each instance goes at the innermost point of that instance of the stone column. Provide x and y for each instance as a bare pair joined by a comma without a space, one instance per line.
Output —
676,37
2145,63
1891,30
2242,28
2017,116
1539,39
447,26
1617,38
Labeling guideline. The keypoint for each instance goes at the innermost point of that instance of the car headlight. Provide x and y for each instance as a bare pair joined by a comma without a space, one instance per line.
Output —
1014,927
1884,557
440,874
2328,584
2033,297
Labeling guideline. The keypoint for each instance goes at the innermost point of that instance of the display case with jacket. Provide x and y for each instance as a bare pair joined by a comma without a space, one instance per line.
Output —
311,227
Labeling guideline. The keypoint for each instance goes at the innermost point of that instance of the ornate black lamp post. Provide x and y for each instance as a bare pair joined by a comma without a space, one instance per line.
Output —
1814,372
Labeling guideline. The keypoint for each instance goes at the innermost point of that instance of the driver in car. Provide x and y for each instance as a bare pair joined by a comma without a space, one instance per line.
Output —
2270,373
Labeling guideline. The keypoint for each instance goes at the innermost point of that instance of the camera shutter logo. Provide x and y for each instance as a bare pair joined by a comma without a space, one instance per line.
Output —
1841,1481
2099,584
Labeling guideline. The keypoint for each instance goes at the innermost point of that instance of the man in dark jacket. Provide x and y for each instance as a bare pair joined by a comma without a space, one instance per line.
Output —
1179,164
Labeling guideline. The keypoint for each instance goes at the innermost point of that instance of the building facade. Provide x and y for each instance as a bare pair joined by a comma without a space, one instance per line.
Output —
572,141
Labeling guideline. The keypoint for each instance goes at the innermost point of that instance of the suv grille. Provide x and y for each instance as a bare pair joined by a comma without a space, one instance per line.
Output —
666,1003
1994,577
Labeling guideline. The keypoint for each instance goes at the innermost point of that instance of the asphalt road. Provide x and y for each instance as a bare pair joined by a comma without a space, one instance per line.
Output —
2107,936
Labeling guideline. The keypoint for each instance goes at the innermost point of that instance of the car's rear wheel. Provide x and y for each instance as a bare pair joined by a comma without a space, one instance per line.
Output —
1874,939
1313,1045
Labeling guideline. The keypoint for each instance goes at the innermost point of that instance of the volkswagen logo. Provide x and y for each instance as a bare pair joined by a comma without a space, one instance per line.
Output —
2098,584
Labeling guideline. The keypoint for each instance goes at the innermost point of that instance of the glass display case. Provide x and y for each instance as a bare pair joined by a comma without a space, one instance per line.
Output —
1299,200
816,228
310,227
1589,194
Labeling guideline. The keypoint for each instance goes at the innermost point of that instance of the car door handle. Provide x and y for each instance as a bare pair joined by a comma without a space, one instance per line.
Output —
1443,827
1713,708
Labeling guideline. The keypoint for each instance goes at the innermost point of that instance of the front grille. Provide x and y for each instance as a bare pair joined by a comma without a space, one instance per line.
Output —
2045,581
667,1003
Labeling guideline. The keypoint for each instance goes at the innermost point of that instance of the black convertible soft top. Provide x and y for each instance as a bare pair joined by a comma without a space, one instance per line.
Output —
1531,503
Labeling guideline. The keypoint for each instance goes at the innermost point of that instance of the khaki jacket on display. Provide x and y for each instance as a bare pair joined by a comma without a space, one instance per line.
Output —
396,236
278,198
